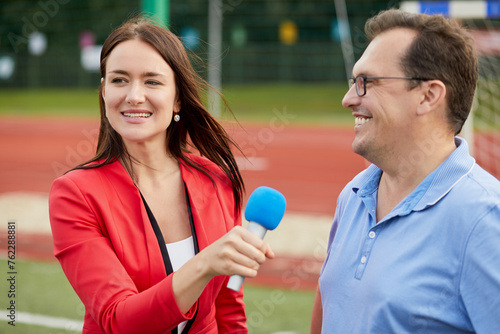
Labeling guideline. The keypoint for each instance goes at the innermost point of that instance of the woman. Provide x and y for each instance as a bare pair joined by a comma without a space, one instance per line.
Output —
145,231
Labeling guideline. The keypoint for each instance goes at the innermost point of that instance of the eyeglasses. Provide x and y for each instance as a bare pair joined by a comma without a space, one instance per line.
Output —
360,82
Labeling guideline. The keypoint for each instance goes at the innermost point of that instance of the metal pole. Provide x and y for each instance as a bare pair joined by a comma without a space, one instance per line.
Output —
159,8
214,55
345,36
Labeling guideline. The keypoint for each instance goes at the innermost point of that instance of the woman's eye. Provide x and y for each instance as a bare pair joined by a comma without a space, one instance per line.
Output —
117,80
153,82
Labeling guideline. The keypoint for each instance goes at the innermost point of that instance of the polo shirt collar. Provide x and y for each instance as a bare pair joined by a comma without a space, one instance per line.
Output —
434,187
457,166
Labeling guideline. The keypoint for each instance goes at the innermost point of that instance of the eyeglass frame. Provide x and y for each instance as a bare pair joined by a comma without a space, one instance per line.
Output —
353,81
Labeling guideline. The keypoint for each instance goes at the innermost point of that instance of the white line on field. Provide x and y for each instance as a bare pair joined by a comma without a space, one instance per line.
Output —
46,321
61,323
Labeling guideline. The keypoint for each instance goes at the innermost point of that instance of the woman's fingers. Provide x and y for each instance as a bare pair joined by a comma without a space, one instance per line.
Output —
238,252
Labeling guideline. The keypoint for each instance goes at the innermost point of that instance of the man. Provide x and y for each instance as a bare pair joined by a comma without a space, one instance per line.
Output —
414,245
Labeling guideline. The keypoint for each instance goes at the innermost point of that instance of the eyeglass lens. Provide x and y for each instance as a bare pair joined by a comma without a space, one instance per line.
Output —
360,85
359,81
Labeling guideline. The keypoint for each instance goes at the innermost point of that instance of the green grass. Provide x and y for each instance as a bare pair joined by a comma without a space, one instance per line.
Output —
42,288
49,102
305,103
271,310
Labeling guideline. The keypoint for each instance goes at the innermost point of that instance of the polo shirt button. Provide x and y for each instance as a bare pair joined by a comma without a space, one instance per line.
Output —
371,234
363,259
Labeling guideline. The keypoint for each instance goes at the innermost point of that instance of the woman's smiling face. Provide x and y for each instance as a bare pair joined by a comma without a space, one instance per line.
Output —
139,92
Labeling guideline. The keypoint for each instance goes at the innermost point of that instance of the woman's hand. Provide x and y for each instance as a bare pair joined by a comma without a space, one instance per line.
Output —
238,252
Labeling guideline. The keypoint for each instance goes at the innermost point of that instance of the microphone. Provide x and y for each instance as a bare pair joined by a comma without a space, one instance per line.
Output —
264,211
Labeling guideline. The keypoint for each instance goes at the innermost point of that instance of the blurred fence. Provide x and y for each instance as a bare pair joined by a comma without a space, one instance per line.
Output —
49,43
44,39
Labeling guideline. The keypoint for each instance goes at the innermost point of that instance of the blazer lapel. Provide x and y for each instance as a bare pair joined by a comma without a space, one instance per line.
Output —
196,189
134,230
208,216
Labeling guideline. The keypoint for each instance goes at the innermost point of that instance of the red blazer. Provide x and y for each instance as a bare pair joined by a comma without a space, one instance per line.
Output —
108,250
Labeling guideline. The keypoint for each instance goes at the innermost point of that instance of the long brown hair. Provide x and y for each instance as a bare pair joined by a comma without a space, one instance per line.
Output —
197,128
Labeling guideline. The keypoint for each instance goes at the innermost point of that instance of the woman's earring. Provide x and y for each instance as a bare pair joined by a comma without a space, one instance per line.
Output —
177,118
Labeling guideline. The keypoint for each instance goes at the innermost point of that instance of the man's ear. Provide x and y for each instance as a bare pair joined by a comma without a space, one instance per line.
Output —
433,95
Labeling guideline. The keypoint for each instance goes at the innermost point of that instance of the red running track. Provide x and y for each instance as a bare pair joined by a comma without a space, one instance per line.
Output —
309,165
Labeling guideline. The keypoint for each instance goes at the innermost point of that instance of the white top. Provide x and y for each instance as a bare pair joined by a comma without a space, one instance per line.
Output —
179,253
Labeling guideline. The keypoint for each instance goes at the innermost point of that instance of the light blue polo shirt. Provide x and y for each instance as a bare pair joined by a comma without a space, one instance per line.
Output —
431,266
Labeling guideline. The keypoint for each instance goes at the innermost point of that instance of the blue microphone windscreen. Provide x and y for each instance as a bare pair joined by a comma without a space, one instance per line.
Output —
265,206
